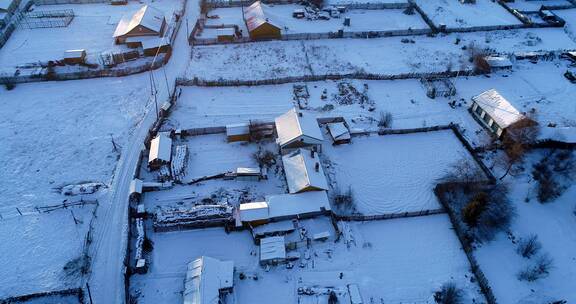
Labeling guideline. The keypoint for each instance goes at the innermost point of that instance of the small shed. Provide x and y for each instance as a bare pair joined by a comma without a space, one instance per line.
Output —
259,24
304,171
154,46
248,174
147,21
238,132
136,188
74,56
298,130
321,236
160,151
226,34
339,133
272,250
498,62
301,205
254,214
494,112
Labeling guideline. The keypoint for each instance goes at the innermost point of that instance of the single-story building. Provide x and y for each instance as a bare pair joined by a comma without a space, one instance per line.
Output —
284,207
298,130
153,46
75,56
259,24
136,188
238,132
272,250
339,133
304,171
498,62
207,280
160,151
226,34
147,21
494,112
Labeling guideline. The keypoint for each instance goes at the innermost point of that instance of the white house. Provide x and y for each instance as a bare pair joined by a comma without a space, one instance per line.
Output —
160,151
494,111
207,279
298,130
304,171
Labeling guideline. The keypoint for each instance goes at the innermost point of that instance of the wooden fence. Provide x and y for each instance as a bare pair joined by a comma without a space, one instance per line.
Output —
387,216
77,292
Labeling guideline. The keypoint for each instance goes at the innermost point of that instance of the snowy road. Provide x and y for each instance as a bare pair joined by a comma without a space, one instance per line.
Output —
110,236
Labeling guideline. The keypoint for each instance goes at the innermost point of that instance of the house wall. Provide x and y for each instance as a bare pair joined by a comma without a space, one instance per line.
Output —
265,31
302,142
485,119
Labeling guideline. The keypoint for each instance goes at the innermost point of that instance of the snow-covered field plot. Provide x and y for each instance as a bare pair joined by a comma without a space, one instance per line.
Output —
535,5
57,133
569,16
91,29
401,260
340,2
553,224
361,20
458,15
392,173
387,56
199,107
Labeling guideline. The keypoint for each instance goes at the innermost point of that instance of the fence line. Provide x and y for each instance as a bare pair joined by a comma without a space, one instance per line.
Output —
66,292
387,216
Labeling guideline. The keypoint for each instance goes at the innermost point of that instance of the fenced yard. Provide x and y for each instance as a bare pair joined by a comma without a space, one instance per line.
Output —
46,19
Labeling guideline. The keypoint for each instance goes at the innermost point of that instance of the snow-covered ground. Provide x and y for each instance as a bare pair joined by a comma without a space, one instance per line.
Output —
401,260
361,20
394,173
275,59
535,5
91,29
455,14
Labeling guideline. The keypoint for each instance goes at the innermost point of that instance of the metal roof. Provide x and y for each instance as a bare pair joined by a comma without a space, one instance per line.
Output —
292,125
303,171
147,16
498,108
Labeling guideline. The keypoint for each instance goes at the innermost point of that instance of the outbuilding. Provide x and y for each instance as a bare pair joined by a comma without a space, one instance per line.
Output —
272,250
207,280
494,112
226,34
259,25
238,132
498,62
160,151
304,171
339,133
254,214
298,130
147,21
74,56
154,46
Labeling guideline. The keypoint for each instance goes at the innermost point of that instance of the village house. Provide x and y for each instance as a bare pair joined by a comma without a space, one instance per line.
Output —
304,171
160,151
146,22
258,23
298,130
207,280
494,112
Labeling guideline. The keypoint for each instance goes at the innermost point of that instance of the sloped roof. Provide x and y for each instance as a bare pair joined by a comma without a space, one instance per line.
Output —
253,211
272,248
338,130
293,124
283,205
5,4
498,61
255,16
160,148
205,278
498,108
147,16
300,168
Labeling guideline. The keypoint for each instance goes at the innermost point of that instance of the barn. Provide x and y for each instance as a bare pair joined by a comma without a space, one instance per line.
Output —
494,112
160,151
259,25
304,171
147,21
298,130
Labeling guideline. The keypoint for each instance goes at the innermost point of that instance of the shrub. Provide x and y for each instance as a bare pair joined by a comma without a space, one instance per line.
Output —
9,85
549,172
264,158
449,293
528,247
497,216
475,207
332,298
539,270
343,198
385,120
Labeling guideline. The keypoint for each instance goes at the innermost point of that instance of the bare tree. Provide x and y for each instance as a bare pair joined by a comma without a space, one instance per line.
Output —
517,139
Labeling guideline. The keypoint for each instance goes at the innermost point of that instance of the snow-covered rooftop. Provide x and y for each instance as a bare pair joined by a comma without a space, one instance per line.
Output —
160,148
205,278
5,4
136,186
304,171
283,205
498,61
74,53
237,129
147,16
272,248
498,108
338,131
255,16
292,125
253,211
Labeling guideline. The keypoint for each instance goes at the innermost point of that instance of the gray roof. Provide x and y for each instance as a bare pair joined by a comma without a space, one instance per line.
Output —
147,16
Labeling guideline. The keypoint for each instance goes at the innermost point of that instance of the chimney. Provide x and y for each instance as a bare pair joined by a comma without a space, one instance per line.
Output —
317,167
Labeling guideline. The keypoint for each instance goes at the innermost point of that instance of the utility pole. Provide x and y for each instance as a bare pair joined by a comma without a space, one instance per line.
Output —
89,293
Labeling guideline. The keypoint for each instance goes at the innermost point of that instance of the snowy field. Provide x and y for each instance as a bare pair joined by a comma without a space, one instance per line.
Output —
401,260
392,173
535,5
570,27
59,133
458,15
388,56
553,223
361,20
91,29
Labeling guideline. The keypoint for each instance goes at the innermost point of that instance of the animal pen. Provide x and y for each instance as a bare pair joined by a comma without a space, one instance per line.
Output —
436,87
46,19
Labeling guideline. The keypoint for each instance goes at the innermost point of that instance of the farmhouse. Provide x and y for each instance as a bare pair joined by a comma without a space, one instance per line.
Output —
304,171
147,21
258,23
207,279
160,151
298,130
494,112
272,250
